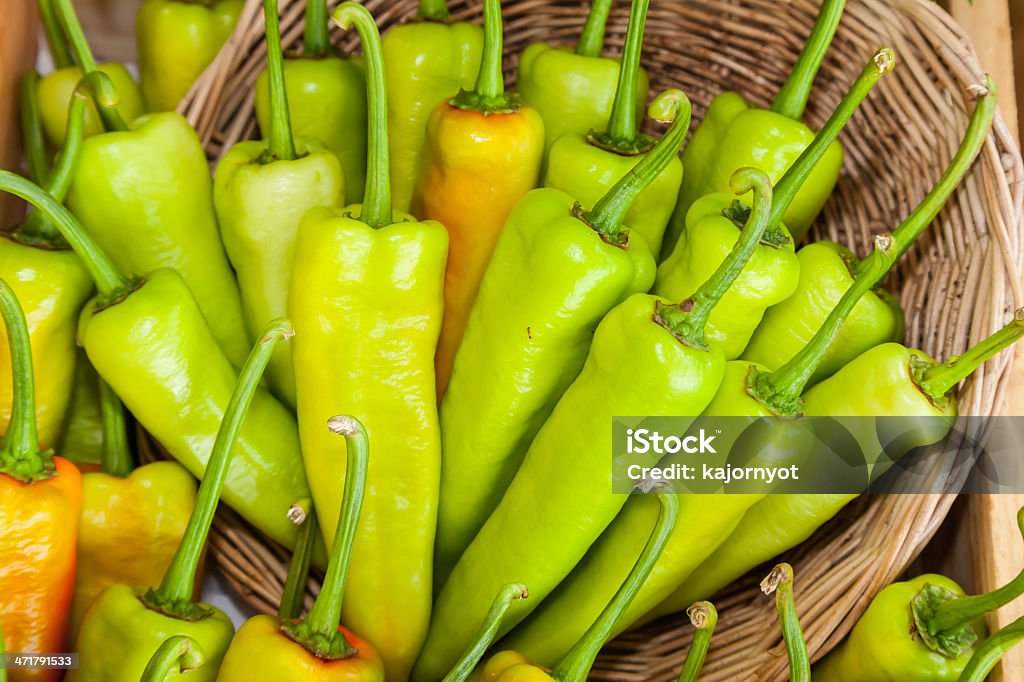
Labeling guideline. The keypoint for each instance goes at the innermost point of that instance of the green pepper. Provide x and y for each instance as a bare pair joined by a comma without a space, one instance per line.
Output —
734,133
178,655
56,89
828,268
261,190
647,356
126,625
774,271
148,339
555,272
51,284
370,301
889,379
704,618
82,438
780,581
990,652
585,164
425,61
176,41
326,101
574,90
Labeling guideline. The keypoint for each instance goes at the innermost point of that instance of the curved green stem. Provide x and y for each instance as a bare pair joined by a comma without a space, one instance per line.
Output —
116,459
174,595
792,98
376,211
881,63
688,319
20,455
85,59
54,36
488,631
780,581
591,42
303,515
704,618
111,284
622,132
781,390
434,10
924,213
992,651
610,211
490,81
177,655
938,379
280,145
319,631
32,128
316,39
577,663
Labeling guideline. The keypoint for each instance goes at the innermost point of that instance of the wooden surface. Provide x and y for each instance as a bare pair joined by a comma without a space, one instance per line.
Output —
17,53
996,549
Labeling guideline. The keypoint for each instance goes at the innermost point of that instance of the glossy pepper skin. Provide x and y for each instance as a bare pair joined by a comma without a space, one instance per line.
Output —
587,163
574,89
555,272
177,655
83,423
326,100
261,190
315,649
177,382
482,155
126,626
425,61
177,40
369,304
890,379
40,496
575,665
734,134
646,355
774,272
828,268
56,89
51,285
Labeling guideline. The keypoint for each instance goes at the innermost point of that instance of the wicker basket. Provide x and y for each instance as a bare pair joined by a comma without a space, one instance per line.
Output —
957,286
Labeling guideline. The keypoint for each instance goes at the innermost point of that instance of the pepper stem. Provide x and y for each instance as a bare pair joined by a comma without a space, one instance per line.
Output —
116,459
936,380
780,581
316,39
32,128
792,98
177,655
591,42
607,216
992,651
881,63
622,133
488,631
376,210
174,595
781,390
704,618
112,285
20,455
921,217
302,515
54,36
281,145
688,319
319,631
577,663
434,10
488,95
86,61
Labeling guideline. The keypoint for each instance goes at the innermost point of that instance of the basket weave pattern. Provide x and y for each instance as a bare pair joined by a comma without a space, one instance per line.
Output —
957,286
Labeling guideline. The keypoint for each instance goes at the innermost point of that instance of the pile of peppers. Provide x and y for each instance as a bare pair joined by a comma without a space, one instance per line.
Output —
391,334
